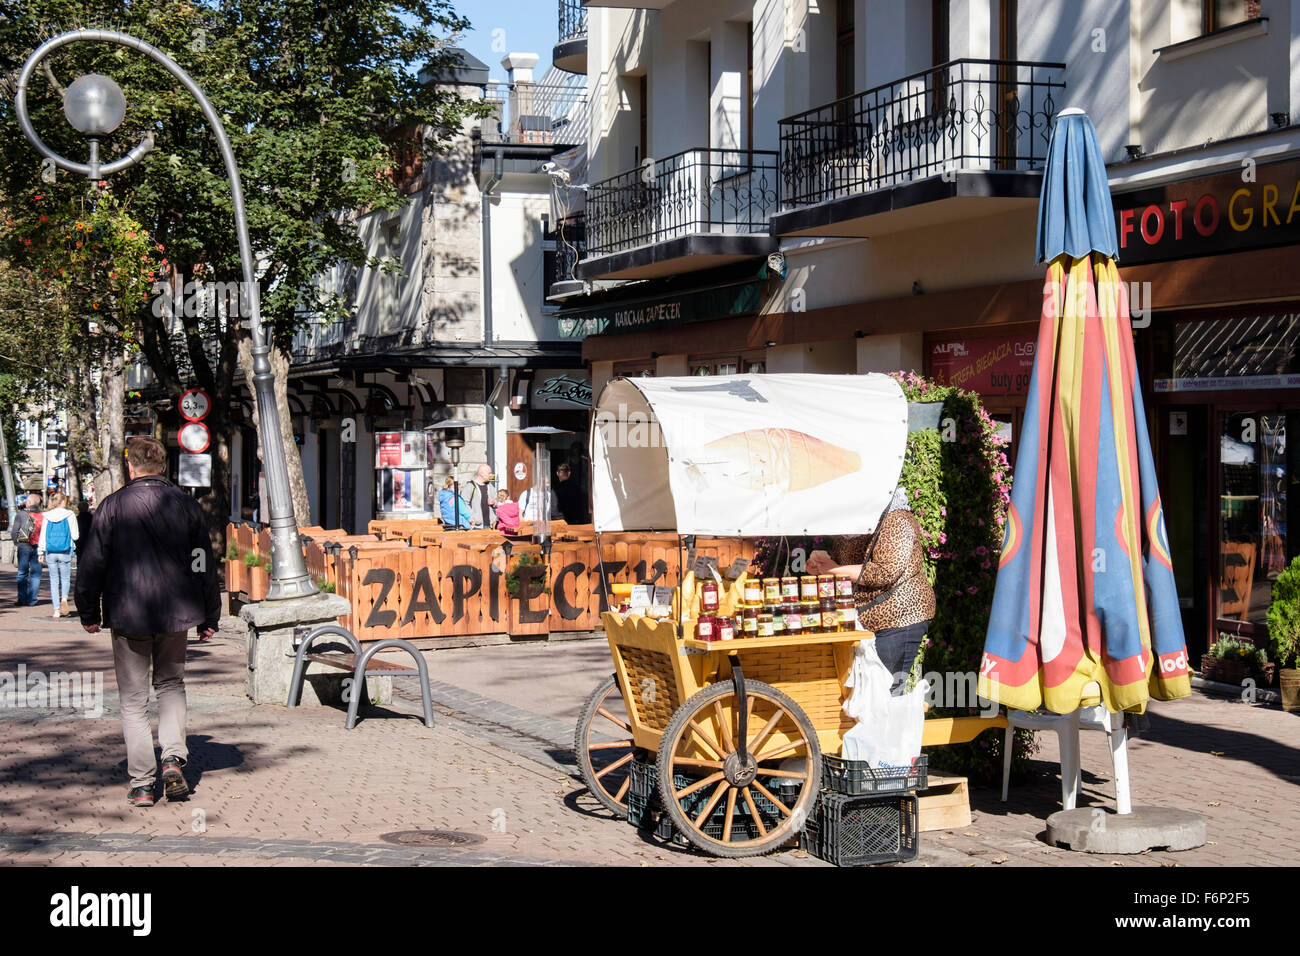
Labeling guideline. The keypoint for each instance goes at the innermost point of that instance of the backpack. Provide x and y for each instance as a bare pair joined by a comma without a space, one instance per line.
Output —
20,533
58,537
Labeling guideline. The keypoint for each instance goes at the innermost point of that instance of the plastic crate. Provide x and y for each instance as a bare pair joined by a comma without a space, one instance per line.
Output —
856,778
645,809
859,831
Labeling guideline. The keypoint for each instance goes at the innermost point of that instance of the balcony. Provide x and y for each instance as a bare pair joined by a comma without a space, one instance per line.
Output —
964,139
696,210
570,53
540,114
318,340
566,245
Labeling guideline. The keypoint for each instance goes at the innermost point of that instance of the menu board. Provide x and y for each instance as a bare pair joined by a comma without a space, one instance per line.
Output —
401,450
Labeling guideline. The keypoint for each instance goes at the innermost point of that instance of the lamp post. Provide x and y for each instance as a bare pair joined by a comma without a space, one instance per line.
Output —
452,434
95,106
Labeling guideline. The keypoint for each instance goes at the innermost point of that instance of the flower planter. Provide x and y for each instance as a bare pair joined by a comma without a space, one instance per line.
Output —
236,576
1289,680
1221,670
259,580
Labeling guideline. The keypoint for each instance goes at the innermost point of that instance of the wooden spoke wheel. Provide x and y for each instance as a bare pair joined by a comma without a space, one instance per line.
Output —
602,745
733,806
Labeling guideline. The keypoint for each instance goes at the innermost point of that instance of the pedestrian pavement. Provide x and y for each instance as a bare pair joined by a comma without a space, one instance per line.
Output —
493,782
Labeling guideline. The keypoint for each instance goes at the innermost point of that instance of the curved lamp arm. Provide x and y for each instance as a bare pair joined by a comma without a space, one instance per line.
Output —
289,576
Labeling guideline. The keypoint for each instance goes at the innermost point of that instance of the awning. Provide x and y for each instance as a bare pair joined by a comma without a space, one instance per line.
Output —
747,454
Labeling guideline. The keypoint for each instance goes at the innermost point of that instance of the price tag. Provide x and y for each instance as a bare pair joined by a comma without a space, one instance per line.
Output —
706,566
738,567
642,595
663,595
690,557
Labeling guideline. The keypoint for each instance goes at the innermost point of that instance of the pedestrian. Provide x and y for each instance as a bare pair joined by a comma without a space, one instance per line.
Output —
571,496
26,536
453,516
482,497
528,507
59,533
507,513
893,596
149,563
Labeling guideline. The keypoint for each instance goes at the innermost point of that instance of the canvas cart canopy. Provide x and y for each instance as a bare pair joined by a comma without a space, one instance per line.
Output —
747,454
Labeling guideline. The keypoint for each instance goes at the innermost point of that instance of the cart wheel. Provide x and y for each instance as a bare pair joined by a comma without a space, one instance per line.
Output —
733,807
602,744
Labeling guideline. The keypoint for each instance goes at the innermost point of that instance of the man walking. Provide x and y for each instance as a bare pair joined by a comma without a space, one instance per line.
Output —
149,560
482,498
26,534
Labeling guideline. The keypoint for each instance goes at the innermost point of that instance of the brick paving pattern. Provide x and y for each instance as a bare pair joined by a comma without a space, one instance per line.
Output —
279,787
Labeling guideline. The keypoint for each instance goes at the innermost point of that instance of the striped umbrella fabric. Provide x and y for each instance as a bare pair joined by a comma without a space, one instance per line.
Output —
1085,588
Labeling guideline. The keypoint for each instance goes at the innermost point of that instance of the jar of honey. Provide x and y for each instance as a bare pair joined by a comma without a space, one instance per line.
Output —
825,586
789,590
829,616
771,591
766,626
749,621
843,586
812,617
808,588
753,592
793,619
847,612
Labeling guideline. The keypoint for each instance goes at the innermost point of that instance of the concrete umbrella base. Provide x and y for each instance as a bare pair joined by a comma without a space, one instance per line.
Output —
1094,830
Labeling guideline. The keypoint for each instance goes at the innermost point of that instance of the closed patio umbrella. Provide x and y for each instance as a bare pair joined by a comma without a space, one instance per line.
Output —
1085,588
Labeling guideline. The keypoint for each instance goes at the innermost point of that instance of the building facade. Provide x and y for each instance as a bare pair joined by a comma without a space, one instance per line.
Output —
852,185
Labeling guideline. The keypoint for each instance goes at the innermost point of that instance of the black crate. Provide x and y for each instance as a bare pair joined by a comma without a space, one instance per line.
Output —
859,831
855,777
645,809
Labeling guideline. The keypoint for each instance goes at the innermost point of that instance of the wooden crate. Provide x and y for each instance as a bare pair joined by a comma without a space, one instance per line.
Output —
944,804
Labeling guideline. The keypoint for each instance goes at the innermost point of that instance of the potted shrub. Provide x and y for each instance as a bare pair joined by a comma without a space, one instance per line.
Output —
236,577
259,575
1284,633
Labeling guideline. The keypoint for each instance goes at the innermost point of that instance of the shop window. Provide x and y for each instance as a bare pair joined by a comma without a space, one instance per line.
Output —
1249,351
726,364
634,370
1255,472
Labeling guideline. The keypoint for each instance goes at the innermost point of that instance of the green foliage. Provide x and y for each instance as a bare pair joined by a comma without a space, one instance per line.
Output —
1230,648
232,552
1284,616
324,585
251,559
959,481
513,581
266,564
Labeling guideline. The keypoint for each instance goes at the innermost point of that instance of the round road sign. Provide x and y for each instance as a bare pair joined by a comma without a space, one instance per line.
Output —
194,437
195,405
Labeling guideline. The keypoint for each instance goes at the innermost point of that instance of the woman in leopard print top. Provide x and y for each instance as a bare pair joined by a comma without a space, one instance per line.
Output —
893,596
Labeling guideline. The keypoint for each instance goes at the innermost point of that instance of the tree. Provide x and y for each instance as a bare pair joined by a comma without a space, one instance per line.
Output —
315,97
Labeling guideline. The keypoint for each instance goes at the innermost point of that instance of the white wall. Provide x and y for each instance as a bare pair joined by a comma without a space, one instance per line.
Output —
518,282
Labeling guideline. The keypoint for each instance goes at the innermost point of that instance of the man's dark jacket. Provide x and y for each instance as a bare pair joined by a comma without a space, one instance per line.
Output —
149,559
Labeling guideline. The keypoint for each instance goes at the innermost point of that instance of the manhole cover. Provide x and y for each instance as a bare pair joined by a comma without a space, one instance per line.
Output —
433,838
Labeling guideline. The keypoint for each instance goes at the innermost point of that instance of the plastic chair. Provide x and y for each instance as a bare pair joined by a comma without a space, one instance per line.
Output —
1067,728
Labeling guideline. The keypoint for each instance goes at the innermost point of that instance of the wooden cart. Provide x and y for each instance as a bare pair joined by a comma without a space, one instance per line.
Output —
735,729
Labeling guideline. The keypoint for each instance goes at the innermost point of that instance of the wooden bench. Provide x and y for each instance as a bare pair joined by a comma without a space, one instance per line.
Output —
359,663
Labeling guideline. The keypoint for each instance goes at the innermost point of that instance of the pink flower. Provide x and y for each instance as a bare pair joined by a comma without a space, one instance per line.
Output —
972,589
943,511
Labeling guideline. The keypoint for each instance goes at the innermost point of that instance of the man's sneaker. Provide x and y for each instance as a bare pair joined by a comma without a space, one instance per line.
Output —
141,797
174,785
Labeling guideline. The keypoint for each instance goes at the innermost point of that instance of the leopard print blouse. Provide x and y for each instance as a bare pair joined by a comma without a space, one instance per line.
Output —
898,558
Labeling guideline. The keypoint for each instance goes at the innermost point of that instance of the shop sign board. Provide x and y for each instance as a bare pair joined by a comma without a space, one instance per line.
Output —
663,311
559,391
1248,208
1000,365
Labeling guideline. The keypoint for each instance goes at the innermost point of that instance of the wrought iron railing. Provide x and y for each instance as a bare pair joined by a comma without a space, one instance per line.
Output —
696,191
963,115
538,113
573,20
318,339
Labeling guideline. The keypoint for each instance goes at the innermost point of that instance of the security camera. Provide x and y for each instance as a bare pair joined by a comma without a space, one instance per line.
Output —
549,167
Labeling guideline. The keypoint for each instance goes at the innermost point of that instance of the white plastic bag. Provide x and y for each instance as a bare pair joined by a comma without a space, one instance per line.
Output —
888,732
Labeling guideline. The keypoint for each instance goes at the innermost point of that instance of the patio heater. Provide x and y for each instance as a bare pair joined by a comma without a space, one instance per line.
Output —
540,437
452,434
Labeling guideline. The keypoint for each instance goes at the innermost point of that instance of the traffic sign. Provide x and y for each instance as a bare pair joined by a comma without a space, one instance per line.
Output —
194,405
194,471
194,437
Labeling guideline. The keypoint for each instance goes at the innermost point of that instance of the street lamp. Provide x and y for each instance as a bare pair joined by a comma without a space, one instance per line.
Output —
452,434
95,106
